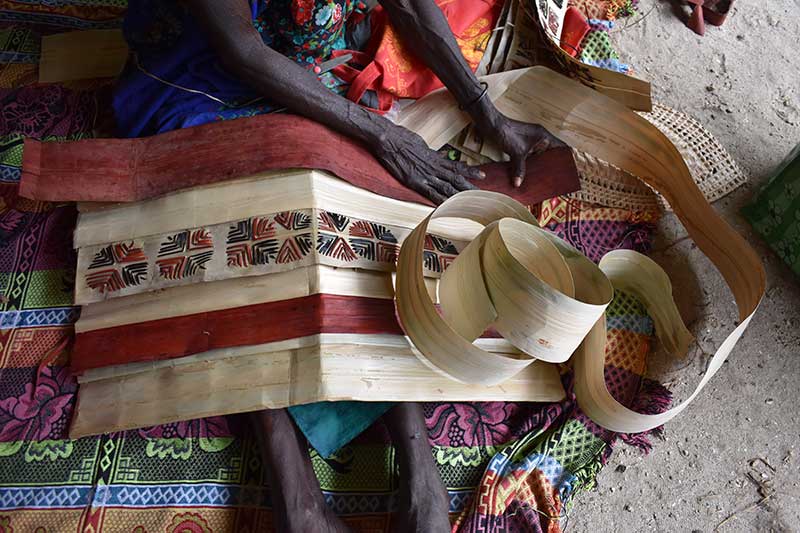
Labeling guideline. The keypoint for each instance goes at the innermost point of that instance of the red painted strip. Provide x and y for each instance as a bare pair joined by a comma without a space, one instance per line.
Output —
127,170
253,324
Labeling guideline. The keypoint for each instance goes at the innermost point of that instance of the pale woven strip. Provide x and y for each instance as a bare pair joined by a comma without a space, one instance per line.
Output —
712,167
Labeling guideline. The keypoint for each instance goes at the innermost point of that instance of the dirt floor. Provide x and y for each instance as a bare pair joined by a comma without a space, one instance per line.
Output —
730,462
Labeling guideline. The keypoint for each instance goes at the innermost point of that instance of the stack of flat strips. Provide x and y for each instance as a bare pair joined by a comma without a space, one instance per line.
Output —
510,278
211,301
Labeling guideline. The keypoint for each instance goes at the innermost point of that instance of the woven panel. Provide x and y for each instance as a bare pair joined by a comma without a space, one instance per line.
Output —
605,184
712,167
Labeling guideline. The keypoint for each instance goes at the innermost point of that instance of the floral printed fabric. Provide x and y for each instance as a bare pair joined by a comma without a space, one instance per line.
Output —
304,30
775,214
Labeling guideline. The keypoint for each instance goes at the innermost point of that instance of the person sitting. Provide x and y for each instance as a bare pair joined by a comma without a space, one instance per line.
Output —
204,60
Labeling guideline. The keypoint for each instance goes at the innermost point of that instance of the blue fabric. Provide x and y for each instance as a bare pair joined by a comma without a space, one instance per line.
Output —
329,426
168,43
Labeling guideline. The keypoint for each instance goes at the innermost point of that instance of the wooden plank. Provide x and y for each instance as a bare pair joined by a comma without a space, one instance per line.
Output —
82,55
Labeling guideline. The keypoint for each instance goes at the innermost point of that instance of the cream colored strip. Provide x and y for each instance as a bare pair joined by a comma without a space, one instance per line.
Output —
521,281
440,345
356,339
270,192
311,372
641,276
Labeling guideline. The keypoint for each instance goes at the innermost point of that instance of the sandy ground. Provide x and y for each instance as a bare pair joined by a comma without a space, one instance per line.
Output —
731,461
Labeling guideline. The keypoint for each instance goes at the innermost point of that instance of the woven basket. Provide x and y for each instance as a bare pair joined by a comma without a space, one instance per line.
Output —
711,166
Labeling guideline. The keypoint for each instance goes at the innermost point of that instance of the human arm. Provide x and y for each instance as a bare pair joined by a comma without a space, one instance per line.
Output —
401,151
423,29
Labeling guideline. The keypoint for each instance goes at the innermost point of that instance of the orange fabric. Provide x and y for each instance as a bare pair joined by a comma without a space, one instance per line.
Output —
395,73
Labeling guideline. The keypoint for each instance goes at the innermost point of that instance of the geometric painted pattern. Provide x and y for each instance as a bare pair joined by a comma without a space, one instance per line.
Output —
438,253
346,239
255,241
117,266
256,245
184,254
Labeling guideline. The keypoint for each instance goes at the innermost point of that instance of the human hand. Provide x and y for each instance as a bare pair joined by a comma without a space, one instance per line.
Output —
517,139
406,156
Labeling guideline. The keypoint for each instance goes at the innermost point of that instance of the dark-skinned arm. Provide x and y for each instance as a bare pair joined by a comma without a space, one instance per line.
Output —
423,28
280,79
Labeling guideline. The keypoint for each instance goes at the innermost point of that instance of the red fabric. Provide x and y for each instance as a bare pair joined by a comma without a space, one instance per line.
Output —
302,10
363,79
241,326
575,29
129,170
396,73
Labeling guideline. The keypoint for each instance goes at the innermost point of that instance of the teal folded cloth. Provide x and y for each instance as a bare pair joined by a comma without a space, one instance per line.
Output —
329,426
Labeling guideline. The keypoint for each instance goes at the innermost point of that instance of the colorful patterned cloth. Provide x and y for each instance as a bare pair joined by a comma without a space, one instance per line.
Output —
597,50
775,213
525,461
605,9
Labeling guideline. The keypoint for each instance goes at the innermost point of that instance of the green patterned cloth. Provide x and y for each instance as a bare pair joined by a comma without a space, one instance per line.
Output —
775,213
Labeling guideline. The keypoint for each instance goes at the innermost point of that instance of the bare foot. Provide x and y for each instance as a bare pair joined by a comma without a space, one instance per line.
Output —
423,500
422,508
297,501
309,519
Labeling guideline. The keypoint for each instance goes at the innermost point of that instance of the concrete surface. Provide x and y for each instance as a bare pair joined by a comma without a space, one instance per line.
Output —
731,461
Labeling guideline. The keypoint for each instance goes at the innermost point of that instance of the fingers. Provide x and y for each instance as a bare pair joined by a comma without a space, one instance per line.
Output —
458,174
544,139
431,194
460,183
472,173
442,187
517,169
428,192
437,179
438,190
462,169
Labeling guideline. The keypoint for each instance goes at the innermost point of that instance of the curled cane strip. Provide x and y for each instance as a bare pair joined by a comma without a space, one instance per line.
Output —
595,124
